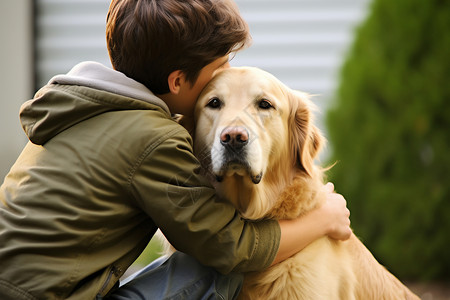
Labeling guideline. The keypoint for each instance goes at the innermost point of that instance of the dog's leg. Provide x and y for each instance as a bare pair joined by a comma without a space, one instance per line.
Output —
374,280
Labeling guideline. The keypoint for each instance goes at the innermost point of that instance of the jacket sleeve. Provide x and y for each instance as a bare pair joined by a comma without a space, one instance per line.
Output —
168,187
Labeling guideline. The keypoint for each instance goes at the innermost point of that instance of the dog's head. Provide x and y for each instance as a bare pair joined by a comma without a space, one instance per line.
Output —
252,132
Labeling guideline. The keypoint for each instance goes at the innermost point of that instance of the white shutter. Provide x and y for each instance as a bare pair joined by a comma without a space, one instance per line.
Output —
68,32
302,42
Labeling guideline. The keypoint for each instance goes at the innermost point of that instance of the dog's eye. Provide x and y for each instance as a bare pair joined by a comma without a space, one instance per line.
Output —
264,104
214,103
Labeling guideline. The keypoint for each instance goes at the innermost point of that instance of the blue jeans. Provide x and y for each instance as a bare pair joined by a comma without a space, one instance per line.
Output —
178,277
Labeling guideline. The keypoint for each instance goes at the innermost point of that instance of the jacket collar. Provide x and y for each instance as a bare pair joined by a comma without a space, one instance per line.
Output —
97,76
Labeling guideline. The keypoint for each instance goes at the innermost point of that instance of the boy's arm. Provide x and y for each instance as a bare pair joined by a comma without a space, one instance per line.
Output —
331,219
166,184
183,205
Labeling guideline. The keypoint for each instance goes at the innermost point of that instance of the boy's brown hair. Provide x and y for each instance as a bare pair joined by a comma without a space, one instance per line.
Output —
149,39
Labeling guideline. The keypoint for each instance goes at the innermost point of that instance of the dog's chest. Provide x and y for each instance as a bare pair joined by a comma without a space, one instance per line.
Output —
306,275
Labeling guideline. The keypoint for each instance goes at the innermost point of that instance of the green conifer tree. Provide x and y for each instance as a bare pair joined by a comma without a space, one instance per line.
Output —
389,133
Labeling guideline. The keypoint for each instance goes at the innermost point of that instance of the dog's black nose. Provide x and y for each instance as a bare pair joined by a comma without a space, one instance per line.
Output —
234,137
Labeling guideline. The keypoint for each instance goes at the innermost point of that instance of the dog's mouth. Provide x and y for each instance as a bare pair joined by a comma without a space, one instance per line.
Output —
239,168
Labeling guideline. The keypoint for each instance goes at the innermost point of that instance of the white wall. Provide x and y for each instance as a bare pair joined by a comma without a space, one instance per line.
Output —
302,42
16,76
68,32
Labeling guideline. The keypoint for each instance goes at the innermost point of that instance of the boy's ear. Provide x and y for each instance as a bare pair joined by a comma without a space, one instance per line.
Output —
174,80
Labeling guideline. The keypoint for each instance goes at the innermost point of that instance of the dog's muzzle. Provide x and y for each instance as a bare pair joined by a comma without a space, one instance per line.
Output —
234,140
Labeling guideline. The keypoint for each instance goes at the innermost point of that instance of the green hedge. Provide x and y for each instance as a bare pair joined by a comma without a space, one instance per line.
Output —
389,133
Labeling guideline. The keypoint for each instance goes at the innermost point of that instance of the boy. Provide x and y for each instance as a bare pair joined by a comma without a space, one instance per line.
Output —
106,166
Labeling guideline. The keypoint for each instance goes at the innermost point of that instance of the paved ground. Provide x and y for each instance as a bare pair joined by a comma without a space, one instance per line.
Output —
426,291
431,291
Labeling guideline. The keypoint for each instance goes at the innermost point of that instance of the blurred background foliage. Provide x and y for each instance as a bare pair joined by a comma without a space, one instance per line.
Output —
389,131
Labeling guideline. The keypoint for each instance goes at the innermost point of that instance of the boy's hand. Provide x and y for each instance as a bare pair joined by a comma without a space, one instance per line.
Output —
336,214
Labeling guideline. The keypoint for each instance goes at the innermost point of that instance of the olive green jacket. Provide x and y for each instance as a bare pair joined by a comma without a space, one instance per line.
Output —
105,167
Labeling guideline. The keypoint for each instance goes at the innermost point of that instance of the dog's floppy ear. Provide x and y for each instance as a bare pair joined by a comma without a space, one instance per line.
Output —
305,138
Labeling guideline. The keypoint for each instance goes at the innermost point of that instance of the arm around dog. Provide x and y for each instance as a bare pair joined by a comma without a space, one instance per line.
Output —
166,185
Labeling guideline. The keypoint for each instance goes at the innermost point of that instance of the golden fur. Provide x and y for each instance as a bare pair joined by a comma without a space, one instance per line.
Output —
268,177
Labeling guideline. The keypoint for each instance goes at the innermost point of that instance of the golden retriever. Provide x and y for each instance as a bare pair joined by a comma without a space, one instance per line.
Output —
256,141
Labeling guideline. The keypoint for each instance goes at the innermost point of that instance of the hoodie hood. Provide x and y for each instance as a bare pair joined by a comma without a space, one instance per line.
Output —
89,89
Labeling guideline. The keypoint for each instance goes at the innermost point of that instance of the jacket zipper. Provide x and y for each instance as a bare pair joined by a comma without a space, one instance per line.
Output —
106,283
